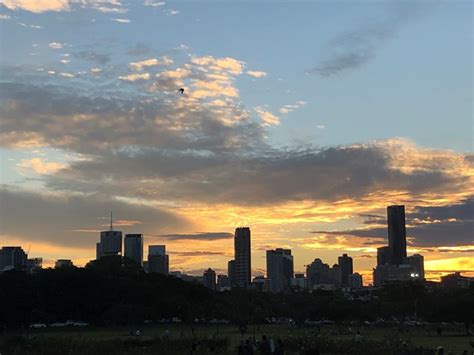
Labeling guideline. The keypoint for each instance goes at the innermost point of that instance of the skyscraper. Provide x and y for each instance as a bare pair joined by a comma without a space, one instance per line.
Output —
134,247
346,267
231,272
110,242
397,234
158,260
209,279
242,257
383,256
279,269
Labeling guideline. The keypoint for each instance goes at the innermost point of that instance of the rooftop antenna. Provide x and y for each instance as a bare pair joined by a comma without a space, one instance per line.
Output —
111,225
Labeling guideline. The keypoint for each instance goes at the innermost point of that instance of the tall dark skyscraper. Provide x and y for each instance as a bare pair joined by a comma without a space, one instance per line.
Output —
397,234
231,272
279,269
110,242
242,257
134,247
346,267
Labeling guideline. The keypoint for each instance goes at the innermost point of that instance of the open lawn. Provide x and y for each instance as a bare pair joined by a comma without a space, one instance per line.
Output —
224,339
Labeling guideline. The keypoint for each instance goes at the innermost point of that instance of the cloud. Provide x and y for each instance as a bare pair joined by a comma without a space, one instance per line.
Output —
55,45
447,225
135,77
121,20
256,74
197,236
172,12
4,17
268,118
92,56
59,215
150,63
39,166
196,253
37,5
286,109
353,49
154,3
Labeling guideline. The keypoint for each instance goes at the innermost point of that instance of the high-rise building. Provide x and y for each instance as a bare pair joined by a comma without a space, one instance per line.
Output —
209,279
242,258
158,260
110,242
279,269
346,266
317,272
134,247
231,272
383,256
13,258
418,264
397,234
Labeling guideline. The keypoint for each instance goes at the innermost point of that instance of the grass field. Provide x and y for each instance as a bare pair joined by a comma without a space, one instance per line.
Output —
178,339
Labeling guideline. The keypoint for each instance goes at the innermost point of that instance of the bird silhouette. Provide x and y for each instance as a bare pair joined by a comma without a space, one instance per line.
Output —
181,91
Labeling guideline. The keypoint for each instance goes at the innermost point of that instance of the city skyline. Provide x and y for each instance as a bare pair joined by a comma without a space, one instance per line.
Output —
303,124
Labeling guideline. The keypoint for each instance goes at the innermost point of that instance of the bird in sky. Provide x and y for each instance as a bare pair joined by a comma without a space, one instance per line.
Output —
181,91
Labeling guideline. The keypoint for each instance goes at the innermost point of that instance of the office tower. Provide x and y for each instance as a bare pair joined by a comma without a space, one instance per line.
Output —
279,269
335,276
62,263
317,272
158,260
209,279
417,262
13,258
231,272
110,242
355,281
242,257
396,234
134,247
346,266
383,256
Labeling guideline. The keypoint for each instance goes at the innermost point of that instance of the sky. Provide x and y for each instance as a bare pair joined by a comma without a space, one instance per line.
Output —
302,120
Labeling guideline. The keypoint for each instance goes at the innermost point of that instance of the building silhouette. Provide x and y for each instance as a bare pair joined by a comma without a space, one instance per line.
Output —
209,279
231,272
279,269
418,264
133,244
13,258
110,242
397,234
346,267
158,260
242,252
355,281
393,265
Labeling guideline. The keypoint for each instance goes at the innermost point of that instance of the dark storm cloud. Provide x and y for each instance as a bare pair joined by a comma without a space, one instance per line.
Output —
449,225
66,220
92,56
197,236
355,48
